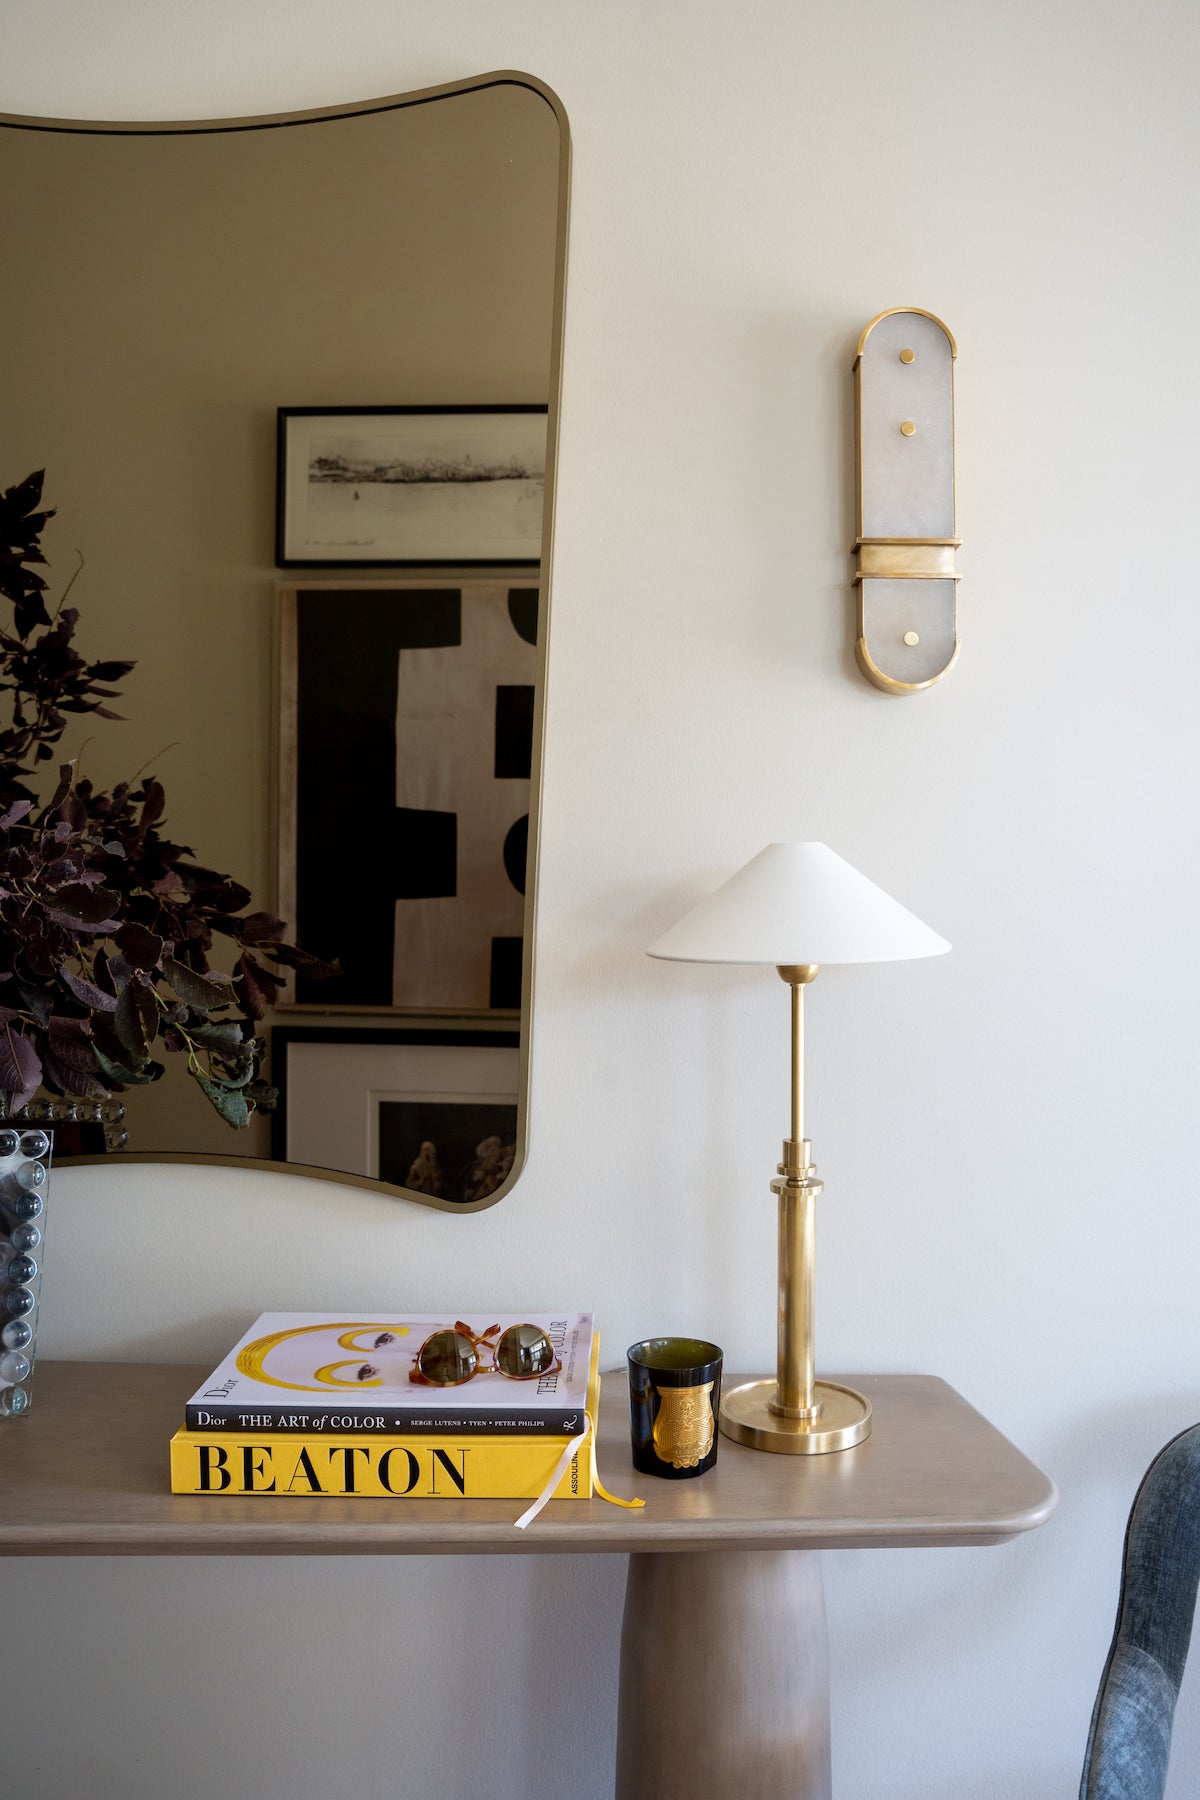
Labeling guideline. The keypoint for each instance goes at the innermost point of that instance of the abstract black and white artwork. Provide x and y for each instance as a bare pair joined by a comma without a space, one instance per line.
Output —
397,486
406,742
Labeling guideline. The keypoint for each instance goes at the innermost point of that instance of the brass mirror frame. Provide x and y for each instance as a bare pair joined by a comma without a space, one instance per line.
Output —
281,121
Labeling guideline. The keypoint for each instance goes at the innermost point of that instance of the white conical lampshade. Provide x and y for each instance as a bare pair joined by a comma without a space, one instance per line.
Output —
798,903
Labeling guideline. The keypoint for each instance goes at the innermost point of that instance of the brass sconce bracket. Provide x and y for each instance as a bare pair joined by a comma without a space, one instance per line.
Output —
905,505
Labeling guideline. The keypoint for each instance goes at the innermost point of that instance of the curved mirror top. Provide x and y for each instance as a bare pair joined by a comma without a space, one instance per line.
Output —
293,383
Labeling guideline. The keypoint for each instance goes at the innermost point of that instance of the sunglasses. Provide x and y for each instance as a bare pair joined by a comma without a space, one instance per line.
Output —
448,1358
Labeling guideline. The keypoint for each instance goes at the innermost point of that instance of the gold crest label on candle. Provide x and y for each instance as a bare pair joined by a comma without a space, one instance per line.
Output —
685,1426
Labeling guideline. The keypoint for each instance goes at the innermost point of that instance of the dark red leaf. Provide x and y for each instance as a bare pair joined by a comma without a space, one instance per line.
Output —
66,777
70,1078
136,1022
142,948
295,958
71,1052
92,908
260,986
72,812
35,1000
20,1068
119,972
66,1025
102,970
260,928
86,992
200,991
153,807
25,496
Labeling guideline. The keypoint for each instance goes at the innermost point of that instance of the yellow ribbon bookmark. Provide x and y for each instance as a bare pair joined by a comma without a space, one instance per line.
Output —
560,1469
613,1499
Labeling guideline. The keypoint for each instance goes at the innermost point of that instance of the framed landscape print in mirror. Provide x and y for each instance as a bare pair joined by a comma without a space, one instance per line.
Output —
406,486
294,385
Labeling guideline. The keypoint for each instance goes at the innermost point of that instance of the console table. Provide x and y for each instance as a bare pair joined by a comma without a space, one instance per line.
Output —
724,1667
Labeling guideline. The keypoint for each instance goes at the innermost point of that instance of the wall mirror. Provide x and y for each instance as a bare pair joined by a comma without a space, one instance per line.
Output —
294,384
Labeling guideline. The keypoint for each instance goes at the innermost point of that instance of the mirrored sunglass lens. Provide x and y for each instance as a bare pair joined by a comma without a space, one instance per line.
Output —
524,1350
447,1357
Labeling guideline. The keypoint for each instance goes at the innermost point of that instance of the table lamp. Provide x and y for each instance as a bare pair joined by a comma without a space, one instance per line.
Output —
797,906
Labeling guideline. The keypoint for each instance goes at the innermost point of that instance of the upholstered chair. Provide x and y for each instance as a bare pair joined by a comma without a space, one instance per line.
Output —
1130,1740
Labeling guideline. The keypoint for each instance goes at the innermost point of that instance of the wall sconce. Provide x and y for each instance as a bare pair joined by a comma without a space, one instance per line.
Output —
905,575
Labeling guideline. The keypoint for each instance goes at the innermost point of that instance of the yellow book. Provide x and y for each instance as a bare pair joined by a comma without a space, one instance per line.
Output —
475,1466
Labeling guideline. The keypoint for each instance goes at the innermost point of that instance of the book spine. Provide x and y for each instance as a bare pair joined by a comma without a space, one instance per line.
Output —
223,1415
394,1468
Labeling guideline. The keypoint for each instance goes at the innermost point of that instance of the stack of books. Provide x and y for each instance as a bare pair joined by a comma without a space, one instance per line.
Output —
315,1403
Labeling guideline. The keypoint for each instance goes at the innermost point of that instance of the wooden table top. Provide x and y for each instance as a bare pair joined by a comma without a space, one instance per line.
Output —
84,1473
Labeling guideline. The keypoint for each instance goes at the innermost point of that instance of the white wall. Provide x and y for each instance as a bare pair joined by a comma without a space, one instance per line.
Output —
1005,1133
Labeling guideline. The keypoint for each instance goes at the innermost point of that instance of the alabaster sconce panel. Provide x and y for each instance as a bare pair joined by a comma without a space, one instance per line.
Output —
894,611
906,526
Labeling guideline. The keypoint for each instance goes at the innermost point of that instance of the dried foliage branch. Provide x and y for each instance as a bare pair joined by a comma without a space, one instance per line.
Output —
106,925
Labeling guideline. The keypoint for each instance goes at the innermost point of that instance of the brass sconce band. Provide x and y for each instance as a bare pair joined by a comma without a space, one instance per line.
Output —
906,559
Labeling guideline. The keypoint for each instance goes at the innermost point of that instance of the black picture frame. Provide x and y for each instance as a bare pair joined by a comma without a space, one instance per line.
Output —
481,522
429,1040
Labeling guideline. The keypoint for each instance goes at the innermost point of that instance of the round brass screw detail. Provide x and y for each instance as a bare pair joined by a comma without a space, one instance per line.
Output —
908,428
911,638
908,356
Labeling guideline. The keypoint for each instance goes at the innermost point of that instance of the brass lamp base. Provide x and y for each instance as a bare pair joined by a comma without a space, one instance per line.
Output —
844,1419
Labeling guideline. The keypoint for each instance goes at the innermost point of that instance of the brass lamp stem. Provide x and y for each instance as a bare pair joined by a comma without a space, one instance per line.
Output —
797,1061
797,1187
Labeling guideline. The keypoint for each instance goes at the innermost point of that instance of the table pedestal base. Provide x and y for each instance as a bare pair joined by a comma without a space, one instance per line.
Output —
724,1677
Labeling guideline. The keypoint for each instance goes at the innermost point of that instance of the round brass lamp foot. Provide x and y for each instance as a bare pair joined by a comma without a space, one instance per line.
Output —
844,1419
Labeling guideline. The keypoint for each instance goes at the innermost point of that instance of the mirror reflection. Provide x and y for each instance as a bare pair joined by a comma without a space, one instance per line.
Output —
291,383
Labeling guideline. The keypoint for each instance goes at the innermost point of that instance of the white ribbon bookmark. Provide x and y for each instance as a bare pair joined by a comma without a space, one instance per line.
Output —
560,1469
